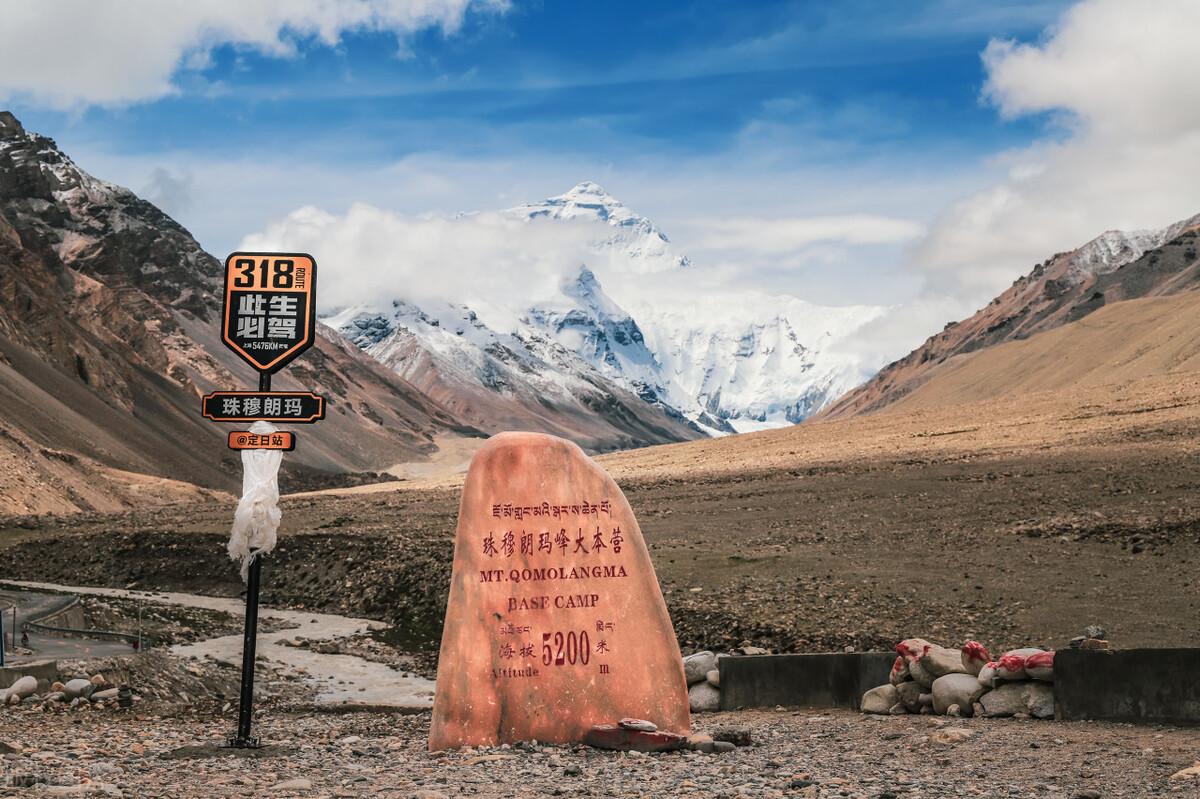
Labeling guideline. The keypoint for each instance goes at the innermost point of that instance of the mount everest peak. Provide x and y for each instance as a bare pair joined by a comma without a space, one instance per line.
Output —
738,361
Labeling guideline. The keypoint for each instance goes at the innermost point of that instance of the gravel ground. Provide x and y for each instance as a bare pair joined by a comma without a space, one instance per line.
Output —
795,753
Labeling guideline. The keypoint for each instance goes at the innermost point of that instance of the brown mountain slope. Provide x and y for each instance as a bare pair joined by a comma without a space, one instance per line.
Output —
1069,286
1118,344
108,337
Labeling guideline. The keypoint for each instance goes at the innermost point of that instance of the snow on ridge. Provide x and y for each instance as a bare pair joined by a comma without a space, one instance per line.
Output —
744,360
1113,249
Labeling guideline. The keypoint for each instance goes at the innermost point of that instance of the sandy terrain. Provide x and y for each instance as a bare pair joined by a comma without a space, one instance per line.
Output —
1015,521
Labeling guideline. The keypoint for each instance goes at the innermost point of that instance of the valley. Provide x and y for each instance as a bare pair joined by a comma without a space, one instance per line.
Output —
1022,518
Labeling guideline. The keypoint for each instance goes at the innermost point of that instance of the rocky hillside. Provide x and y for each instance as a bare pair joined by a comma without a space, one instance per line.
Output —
1067,287
108,337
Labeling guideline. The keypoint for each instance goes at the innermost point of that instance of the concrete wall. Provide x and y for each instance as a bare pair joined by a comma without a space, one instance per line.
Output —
1154,685
39,670
815,680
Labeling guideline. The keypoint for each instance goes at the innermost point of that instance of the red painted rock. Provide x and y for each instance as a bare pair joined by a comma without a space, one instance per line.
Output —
609,736
555,622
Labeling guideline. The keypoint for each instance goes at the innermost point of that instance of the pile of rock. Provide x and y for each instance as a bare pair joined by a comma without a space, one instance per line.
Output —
927,678
77,692
704,678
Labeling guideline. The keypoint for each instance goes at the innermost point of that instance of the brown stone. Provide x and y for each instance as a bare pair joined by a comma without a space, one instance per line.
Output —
555,621
610,736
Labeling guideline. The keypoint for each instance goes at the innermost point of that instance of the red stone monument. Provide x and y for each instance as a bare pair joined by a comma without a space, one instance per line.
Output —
555,621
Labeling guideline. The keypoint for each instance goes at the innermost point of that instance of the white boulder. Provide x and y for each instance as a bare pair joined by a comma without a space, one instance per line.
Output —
696,667
23,687
956,689
880,700
703,698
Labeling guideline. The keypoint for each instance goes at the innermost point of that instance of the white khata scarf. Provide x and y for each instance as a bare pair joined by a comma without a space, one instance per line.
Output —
256,520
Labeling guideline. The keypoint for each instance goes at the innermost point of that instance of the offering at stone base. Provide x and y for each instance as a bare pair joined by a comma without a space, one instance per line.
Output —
610,736
555,621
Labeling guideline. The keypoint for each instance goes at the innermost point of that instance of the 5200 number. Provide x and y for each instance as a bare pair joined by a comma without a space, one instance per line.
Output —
566,648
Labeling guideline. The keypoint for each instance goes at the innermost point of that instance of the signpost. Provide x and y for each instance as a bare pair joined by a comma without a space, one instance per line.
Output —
269,320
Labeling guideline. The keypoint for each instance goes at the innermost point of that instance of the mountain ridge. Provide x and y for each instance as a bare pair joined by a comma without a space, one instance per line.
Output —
1068,286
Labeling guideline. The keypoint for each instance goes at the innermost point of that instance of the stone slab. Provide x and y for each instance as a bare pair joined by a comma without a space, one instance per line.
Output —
819,680
609,736
1138,685
38,669
555,621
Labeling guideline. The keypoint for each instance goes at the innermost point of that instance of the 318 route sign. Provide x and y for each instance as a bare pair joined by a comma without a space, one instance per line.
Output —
270,305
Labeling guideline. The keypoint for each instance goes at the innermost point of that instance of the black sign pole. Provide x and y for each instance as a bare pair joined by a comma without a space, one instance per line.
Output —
244,740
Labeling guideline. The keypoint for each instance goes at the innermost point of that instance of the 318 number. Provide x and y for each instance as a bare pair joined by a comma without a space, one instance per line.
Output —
569,648
264,274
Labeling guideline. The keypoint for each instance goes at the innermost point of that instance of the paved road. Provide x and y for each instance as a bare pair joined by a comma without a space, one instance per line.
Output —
32,606
333,679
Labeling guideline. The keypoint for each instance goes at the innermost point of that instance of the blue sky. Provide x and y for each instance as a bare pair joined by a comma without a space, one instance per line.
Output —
609,80
1001,131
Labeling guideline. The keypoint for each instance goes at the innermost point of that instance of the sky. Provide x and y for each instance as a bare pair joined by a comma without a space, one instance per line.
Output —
918,155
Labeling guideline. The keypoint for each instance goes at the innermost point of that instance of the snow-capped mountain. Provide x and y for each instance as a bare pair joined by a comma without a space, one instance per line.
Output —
506,380
636,239
732,363
1114,248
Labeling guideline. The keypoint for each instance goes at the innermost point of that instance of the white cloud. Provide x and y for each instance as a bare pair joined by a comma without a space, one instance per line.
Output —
71,53
1121,79
486,261
781,236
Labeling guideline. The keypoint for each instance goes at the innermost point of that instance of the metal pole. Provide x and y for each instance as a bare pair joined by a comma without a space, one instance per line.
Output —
243,739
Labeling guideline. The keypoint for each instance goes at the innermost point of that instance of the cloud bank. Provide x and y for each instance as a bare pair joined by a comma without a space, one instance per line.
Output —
75,53
1119,80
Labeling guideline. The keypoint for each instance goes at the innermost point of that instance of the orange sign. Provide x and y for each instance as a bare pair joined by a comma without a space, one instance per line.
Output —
270,307
244,439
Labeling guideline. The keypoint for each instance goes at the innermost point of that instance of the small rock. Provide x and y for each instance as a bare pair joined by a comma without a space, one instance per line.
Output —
638,724
1189,773
956,689
721,747
714,678
297,784
951,735
696,667
79,688
1094,644
1094,631
738,736
21,688
703,698
938,661
910,696
879,700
